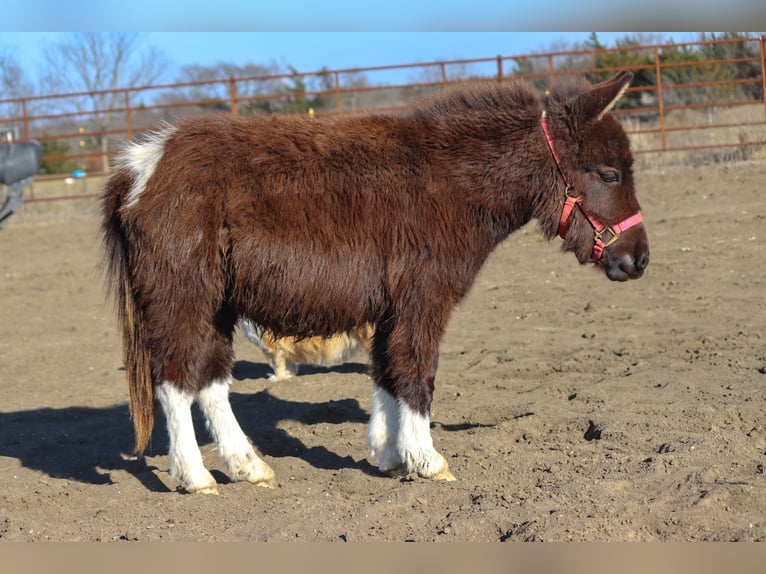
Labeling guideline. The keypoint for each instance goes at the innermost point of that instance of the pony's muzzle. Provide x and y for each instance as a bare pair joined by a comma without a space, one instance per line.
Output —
624,264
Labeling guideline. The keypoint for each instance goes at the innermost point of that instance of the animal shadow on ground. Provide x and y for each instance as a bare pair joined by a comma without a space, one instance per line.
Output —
249,370
261,413
86,444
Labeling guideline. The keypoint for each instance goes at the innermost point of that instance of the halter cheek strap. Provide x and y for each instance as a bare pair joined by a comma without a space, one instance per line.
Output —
569,205
571,202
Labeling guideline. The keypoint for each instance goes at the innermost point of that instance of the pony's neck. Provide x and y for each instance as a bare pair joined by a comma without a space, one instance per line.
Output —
517,184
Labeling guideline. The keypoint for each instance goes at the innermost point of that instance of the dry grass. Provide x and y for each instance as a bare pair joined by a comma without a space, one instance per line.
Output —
745,125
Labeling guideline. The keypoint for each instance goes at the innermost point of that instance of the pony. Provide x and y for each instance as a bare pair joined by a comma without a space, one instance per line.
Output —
285,354
310,227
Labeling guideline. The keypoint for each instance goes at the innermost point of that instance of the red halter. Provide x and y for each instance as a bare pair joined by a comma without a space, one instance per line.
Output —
599,228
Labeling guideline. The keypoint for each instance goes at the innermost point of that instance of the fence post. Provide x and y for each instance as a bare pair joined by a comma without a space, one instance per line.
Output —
233,96
338,95
26,118
660,104
550,70
444,75
763,70
128,116
499,68
27,136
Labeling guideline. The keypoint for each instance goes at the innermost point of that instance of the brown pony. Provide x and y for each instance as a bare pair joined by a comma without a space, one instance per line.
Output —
311,227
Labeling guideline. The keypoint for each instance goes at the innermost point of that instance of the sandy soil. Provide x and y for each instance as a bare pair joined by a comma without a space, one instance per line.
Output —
569,407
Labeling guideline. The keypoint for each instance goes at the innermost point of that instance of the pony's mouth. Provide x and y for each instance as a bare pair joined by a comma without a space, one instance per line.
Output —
618,274
626,268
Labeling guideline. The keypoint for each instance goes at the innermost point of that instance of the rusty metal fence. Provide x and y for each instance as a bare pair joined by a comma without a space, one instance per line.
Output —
705,107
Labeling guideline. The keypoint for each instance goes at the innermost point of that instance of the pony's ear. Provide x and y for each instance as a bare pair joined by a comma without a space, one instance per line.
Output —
593,104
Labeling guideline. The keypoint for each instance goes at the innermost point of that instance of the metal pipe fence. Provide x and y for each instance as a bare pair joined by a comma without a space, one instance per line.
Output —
711,102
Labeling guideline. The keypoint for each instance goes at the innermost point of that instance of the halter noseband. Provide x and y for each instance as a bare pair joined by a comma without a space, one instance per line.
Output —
599,228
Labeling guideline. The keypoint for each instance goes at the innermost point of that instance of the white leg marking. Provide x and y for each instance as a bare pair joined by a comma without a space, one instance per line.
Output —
186,464
141,160
233,445
383,430
416,446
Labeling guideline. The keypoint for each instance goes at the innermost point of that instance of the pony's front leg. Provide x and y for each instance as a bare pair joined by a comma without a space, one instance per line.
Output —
383,430
416,447
405,355
400,438
234,447
186,464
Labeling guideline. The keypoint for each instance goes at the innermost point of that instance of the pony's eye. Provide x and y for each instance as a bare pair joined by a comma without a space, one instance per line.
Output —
609,176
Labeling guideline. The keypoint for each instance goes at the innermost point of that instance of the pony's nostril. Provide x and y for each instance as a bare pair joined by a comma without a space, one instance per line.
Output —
642,261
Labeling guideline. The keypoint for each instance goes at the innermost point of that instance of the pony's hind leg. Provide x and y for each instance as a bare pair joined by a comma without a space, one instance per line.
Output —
204,362
186,464
234,447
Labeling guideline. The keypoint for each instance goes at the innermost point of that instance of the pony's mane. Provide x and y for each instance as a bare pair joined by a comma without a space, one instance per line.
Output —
484,94
515,100
479,96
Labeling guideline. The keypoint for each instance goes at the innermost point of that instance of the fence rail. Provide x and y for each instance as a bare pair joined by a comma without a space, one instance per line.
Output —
712,104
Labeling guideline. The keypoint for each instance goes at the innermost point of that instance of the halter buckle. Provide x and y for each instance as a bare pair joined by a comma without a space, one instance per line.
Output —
600,233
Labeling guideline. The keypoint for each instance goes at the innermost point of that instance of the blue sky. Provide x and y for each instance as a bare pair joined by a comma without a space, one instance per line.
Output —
391,15
310,51
357,33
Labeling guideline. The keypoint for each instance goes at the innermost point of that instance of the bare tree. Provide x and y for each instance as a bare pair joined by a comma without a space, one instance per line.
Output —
13,84
96,65
92,61
210,87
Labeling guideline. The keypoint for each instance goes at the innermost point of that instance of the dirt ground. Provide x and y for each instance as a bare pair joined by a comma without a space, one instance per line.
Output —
568,407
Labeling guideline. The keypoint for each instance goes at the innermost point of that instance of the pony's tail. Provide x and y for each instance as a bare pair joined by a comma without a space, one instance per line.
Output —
120,282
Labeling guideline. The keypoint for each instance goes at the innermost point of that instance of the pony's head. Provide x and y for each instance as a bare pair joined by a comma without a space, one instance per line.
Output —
600,216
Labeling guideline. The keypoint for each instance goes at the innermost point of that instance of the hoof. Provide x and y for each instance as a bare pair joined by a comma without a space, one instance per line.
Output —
249,468
280,375
444,475
202,490
262,476
396,472
209,490
402,470
201,483
267,483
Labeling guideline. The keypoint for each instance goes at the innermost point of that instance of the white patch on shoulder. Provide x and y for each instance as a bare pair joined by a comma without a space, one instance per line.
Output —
141,158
